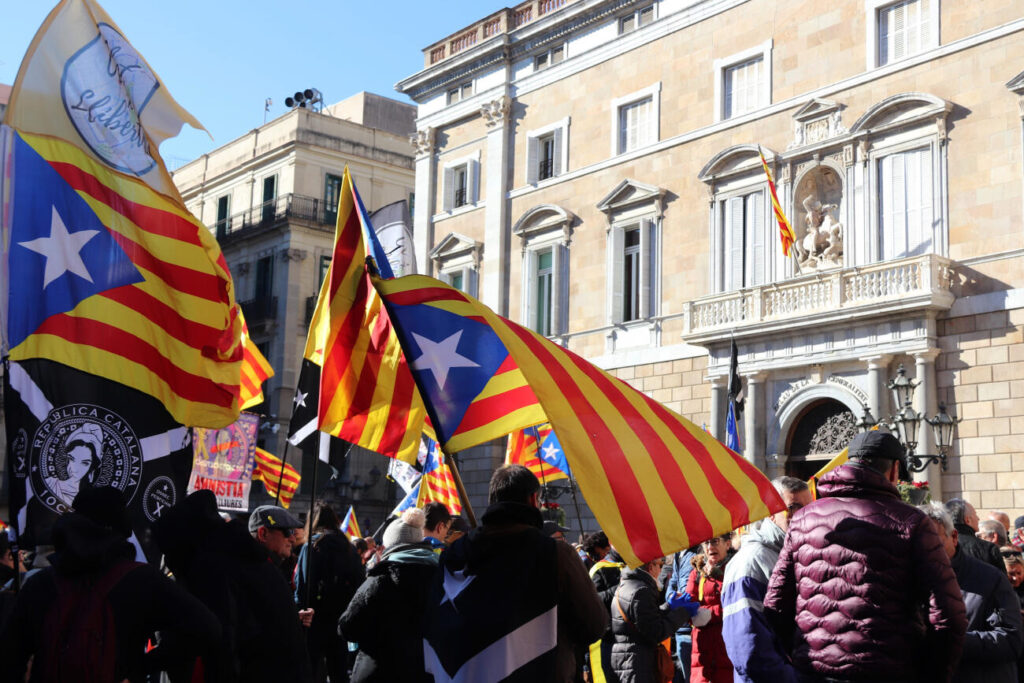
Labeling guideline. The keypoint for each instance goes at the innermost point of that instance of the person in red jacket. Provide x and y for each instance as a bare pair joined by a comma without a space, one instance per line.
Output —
709,662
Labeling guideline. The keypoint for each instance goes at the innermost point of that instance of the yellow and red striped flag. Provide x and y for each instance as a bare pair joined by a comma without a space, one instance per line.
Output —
350,525
106,271
367,394
268,470
655,481
437,485
255,371
786,235
524,448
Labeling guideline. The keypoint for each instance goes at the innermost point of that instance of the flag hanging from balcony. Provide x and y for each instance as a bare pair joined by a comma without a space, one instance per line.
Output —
437,485
269,470
104,269
367,394
656,482
786,235
537,448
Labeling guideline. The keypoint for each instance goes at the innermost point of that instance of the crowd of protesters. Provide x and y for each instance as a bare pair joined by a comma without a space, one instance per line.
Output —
856,585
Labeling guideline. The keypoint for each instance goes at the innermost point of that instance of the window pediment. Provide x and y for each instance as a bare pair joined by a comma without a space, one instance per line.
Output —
734,161
456,246
544,219
1016,84
817,121
629,194
901,110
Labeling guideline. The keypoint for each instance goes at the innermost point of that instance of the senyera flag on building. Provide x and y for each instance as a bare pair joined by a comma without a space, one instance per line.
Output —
655,481
786,235
105,269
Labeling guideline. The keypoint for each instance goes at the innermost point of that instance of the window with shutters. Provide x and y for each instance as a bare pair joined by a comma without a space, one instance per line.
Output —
743,257
267,207
460,92
549,58
906,215
456,260
547,152
544,232
636,120
460,182
223,224
743,82
332,195
633,265
636,19
897,30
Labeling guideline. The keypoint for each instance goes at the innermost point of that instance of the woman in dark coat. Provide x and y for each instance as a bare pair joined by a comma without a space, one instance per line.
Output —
640,622
386,615
709,662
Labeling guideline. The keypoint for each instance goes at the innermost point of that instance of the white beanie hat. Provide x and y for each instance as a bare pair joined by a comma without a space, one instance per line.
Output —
406,529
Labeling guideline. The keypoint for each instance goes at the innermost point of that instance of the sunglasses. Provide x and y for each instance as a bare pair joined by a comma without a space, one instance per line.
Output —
284,532
1011,553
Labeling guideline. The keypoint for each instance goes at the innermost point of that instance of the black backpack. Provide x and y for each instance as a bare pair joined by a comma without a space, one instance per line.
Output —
79,634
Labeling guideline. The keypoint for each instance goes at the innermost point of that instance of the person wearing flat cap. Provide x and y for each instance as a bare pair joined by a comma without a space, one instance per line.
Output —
866,579
274,528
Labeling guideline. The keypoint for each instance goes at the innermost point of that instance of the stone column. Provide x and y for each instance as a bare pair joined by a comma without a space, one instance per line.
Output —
878,399
494,279
754,421
926,403
718,400
426,190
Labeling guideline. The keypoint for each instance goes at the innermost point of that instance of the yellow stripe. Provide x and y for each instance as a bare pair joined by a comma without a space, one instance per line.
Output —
118,368
517,419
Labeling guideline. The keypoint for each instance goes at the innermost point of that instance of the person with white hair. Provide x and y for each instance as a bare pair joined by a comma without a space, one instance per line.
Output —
993,531
994,638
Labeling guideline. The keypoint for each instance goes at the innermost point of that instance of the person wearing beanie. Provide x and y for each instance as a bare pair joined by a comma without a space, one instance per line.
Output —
93,572
386,614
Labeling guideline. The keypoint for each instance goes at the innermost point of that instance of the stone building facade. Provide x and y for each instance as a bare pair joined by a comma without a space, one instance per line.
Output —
590,169
271,198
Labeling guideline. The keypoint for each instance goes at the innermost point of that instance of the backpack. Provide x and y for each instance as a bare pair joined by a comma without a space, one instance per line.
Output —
330,577
79,634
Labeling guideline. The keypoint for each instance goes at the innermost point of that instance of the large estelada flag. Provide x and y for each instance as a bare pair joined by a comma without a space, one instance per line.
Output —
537,448
655,481
104,269
68,430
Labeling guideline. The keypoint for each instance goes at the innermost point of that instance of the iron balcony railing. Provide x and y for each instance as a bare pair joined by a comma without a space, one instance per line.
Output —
285,207
259,310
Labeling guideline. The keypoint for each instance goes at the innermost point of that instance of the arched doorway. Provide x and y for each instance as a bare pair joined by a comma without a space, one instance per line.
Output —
822,429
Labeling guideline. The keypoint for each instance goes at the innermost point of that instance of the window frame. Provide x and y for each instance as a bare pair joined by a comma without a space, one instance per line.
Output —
721,66
458,255
636,19
559,133
462,91
872,11
648,223
723,263
653,126
880,149
546,59
222,226
471,164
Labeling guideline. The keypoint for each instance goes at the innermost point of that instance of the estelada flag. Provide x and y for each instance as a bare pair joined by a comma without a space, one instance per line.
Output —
437,485
269,470
537,448
68,431
786,235
350,525
104,269
367,395
655,481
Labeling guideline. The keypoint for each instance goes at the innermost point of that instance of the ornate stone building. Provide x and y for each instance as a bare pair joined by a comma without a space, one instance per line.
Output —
590,168
271,197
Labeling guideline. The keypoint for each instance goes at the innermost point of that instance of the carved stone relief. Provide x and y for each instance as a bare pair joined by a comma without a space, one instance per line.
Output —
423,141
834,434
819,243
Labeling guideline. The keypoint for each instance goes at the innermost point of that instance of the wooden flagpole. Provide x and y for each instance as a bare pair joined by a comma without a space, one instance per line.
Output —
463,496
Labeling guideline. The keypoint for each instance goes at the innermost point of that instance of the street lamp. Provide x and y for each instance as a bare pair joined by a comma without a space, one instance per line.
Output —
907,421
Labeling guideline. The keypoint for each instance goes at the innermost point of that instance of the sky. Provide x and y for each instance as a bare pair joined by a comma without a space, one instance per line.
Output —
221,59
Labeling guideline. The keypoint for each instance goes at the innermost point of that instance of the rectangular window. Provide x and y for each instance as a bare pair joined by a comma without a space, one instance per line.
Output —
904,29
744,254
905,204
332,194
544,287
458,281
223,215
269,198
459,93
743,86
461,186
631,275
264,288
325,268
635,126
553,56
634,20
546,163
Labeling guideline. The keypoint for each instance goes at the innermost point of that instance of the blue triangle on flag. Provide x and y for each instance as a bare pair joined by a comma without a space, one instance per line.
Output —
60,253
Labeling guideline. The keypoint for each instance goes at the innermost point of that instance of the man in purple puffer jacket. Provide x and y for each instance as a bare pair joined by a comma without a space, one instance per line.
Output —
866,579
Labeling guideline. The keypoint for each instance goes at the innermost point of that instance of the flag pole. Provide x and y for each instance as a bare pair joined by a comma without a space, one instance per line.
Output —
280,475
450,461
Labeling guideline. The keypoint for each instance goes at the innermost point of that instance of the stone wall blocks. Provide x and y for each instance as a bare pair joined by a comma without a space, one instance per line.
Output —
978,445
992,355
993,391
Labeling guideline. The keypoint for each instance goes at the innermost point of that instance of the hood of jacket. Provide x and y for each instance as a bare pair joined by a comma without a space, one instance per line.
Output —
84,547
767,534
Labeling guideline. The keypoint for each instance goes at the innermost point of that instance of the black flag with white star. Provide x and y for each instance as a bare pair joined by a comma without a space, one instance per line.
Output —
302,431
68,430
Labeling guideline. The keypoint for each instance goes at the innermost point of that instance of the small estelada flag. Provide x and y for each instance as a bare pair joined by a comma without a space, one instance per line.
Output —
350,525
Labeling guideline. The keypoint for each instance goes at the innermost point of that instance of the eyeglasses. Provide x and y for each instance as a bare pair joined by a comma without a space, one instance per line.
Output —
792,509
716,539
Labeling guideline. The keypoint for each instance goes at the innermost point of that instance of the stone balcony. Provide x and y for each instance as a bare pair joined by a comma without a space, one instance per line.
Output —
844,295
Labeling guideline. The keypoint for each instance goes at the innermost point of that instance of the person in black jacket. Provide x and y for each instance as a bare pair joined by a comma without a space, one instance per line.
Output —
965,521
92,554
386,614
233,574
328,572
605,574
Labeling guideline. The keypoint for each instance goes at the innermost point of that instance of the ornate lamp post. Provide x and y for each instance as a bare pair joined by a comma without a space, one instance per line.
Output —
906,421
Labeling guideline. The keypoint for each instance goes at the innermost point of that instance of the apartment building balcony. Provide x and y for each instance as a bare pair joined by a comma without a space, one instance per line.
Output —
846,295
287,208
259,312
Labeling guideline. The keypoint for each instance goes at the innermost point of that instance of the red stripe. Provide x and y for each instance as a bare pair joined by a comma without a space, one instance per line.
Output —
345,247
483,411
426,295
107,337
398,413
637,519
165,317
186,280
153,221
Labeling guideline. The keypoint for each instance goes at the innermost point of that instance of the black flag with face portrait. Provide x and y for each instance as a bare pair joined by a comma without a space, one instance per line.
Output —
68,430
